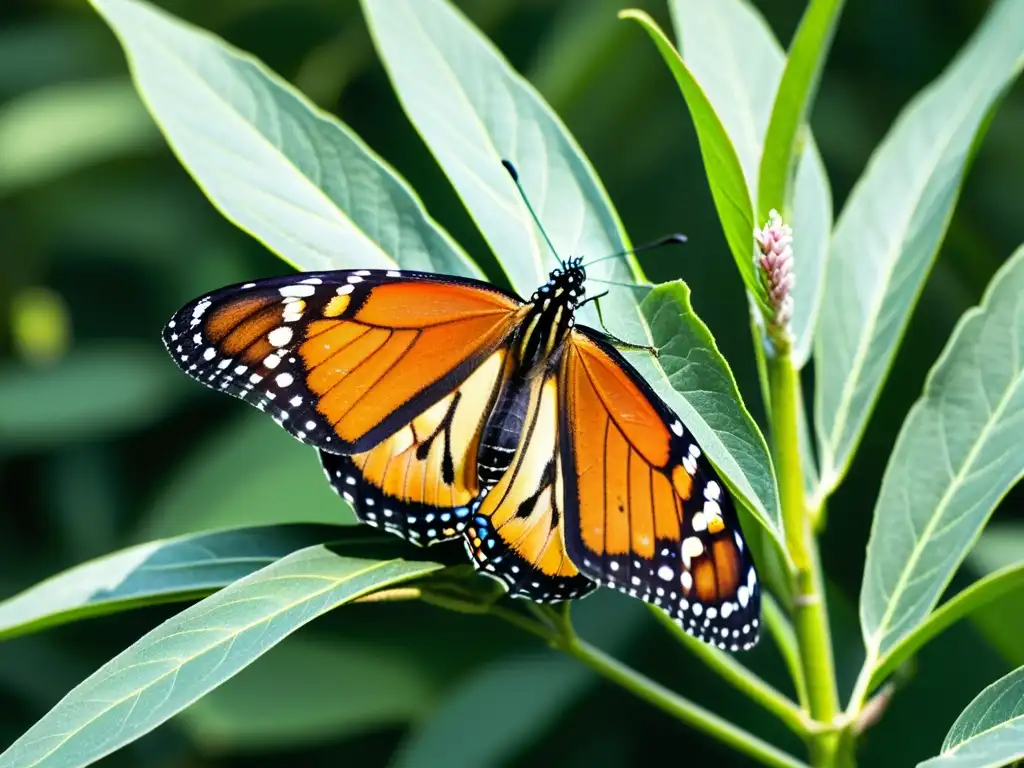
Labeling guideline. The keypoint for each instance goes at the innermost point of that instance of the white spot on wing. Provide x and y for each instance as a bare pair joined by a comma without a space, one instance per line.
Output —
280,336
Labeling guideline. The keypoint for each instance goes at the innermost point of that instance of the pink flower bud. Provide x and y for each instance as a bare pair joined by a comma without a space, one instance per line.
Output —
775,244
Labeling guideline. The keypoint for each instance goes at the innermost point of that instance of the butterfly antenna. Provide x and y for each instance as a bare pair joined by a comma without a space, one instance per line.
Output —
678,237
515,177
634,286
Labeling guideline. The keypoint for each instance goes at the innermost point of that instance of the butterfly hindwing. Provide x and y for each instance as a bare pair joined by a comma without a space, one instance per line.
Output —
645,511
311,348
516,535
421,481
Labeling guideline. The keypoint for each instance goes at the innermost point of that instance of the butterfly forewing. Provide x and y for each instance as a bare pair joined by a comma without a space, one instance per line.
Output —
342,359
645,511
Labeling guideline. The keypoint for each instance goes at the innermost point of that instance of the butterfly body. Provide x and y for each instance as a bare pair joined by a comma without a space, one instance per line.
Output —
445,408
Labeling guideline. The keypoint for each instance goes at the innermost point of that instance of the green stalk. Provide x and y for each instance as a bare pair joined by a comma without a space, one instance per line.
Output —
678,707
810,617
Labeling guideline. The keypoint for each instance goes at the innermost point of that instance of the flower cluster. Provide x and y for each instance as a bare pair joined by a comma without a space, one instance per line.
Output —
775,243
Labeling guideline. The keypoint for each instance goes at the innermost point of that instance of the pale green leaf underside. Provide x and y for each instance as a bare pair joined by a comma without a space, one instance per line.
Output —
290,175
158,571
990,732
190,654
473,109
734,55
958,453
891,227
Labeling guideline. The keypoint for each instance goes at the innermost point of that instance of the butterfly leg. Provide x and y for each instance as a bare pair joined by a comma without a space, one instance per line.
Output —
617,342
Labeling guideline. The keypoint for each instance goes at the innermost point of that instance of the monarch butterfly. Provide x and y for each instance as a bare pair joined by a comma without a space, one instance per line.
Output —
446,408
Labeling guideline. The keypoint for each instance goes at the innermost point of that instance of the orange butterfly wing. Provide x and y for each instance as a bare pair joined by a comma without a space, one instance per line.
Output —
421,481
645,511
342,359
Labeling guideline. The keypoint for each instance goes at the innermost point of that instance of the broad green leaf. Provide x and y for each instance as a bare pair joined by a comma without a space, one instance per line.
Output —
957,455
793,99
159,571
92,392
281,482
891,227
287,173
322,690
993,591
473,109
990,732
36,145
729,190
732,52
189,655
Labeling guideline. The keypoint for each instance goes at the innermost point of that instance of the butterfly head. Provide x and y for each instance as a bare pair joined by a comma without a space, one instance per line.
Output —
564,286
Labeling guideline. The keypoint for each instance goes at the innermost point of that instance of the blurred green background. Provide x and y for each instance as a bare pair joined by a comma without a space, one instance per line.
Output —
104,443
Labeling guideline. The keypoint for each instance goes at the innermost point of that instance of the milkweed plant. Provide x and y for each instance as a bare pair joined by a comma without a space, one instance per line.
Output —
836,294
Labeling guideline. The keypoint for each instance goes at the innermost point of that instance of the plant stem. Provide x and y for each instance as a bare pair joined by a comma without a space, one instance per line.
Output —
785,640
810,617
675,705
740,677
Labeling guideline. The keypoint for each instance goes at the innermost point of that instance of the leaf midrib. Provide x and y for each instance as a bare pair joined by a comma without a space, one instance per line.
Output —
335,582
849,387
920,545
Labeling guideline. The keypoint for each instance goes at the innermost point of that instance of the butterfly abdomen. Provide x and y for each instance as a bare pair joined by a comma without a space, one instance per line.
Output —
501,434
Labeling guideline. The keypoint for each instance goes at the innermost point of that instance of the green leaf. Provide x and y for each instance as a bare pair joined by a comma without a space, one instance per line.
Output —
731,51
699,383
988,592
36,145
322,690
287,173
116,387
990,732
957,455
721,163
191,654
793,100
446,74
282,483
891,227
158,572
